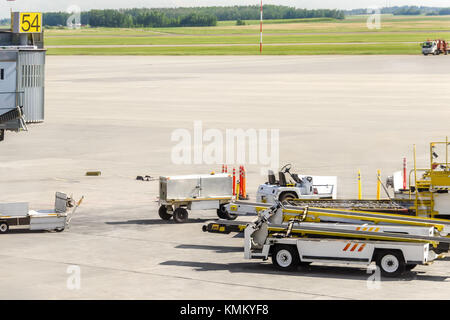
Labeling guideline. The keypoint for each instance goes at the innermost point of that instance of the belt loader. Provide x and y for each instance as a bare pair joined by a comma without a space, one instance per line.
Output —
394,249
337,215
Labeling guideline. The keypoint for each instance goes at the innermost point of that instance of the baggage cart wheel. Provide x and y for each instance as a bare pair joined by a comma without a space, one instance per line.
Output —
391,263
180,215
4,227
59,229
285,257
222,213
163,213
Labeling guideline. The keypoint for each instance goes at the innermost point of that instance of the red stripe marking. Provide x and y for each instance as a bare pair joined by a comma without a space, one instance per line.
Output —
354,247
361,248
346,247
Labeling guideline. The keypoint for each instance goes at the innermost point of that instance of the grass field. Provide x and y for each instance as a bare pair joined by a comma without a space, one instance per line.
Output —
397,35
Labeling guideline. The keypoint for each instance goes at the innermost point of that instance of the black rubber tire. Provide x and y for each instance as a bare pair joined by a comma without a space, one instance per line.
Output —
304,264
180,215
59,229
163,213
287,196
409,267
289,254
390,257
4,227
222,213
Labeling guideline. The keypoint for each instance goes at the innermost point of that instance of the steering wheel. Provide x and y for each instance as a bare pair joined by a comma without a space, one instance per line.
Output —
286,168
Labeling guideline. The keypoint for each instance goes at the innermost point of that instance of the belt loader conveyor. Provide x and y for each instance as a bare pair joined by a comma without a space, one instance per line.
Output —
290,245
399,206
340,215
328,230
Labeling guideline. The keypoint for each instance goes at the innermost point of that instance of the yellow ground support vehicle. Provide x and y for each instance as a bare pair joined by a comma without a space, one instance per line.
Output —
427,195
430,191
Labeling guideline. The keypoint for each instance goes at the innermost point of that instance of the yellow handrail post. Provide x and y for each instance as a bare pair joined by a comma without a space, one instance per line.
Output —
446,154
378,184
359,185
416,191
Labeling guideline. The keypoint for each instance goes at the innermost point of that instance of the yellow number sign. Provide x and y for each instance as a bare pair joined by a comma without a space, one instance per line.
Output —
30,22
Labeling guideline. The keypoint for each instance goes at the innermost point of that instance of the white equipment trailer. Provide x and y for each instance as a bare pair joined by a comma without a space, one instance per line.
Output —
393,248
18,216
392,258
293,186
178,194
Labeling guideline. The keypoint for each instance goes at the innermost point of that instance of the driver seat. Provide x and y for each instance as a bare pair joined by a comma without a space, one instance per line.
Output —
271,178
282,179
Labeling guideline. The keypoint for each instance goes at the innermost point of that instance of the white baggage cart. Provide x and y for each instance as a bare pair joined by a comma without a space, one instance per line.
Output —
18,215
178,194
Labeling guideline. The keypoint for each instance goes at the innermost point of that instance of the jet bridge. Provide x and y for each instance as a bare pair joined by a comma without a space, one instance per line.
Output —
22,73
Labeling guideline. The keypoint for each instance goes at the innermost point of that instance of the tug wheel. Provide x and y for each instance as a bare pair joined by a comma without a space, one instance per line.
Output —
163,213
287,196
180,215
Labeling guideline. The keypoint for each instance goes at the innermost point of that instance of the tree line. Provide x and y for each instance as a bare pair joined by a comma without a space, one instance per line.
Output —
405,11
415,11
126,19
185,17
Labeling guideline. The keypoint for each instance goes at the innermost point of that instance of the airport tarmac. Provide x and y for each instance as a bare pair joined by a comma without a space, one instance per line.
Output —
335,115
